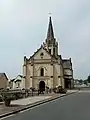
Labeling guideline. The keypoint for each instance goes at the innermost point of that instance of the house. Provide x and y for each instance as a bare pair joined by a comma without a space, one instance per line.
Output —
17,82
46,68
68,73
10,85
3,81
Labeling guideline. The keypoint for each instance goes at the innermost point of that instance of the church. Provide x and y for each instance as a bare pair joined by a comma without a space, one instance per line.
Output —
46,68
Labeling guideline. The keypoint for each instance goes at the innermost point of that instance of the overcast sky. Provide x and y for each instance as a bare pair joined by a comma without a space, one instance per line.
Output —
23,27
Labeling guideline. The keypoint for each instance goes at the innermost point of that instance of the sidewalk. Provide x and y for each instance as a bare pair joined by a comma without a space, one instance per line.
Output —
34,99
21,104
29,100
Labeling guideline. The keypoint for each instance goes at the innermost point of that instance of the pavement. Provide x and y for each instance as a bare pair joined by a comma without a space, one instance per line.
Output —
22,104
29,100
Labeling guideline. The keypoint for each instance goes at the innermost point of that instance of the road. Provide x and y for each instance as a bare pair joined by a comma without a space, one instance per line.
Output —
72,107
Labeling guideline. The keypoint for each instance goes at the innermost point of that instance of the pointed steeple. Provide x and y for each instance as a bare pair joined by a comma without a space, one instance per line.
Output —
50,43
50,34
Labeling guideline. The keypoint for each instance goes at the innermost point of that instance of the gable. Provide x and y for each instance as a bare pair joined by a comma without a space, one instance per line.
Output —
42,54
17,78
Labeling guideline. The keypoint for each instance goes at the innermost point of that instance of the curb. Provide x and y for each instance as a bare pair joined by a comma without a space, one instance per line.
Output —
36,104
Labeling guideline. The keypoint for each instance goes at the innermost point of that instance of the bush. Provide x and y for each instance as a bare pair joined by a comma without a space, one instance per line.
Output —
7,101
17,96
59,89
7,97
54,90
33,89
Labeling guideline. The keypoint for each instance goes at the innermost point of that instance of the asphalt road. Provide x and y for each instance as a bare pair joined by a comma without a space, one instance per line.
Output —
72,107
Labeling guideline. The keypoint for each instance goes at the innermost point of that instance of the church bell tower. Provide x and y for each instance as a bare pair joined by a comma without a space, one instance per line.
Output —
51,43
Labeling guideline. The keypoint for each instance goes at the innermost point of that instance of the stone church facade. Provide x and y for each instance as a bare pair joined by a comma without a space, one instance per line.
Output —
45,67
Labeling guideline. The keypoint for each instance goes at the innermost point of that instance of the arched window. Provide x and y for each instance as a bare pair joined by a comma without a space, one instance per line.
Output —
42,72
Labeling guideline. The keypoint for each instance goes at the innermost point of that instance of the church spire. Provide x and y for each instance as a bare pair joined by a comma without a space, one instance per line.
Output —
50,43
50,34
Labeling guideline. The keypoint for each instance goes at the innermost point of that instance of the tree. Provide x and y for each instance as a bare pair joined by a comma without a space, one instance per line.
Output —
88,79
80,81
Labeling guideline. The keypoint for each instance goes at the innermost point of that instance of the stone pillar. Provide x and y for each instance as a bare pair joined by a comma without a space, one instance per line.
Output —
24,75
31,76
63,82
51,83
22,85
60,81
27,85
24,70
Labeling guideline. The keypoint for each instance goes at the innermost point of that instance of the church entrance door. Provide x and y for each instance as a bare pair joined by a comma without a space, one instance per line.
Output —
42,85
